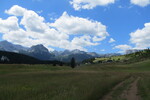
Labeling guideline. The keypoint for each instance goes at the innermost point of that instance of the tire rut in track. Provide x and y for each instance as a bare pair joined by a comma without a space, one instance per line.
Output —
109,95
128,94
132,93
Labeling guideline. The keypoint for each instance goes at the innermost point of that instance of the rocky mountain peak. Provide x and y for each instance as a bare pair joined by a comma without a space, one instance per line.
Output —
38,48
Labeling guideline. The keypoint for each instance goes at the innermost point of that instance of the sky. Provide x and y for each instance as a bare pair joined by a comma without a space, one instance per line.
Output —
102,26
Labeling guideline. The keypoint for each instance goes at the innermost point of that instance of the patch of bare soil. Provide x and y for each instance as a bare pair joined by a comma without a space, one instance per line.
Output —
132,92
129,94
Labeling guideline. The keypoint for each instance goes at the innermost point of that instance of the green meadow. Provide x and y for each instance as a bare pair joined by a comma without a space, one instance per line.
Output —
86,82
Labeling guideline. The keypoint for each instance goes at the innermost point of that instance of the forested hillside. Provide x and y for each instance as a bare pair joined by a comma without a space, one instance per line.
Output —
16,58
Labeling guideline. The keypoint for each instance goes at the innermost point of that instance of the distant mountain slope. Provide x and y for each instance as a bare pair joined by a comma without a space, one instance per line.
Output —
77,54
7,46
40,52
37,51
10,57
16,58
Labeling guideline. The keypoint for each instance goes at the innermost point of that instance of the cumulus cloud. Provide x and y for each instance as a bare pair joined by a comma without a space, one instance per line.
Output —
141,3
27,28
33,22
141,37
16,10
76,25
9,24
83,41
96,38
89,4
112,40
123,48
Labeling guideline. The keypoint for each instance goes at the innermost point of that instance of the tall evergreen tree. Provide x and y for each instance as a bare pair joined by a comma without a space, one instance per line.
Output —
73,64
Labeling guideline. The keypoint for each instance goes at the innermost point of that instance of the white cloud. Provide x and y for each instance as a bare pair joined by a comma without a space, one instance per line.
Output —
39,12
9,24
33,22
89,4
123,48
83,41
97,38
102,50
16,10
141,3
141,37
76,25
32,29
112,40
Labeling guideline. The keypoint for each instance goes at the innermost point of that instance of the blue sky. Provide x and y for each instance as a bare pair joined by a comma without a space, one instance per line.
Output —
103,26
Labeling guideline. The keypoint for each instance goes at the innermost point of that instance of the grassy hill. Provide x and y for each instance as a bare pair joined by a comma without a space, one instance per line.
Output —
128,58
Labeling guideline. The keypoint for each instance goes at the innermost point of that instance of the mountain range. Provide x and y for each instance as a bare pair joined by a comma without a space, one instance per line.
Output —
42,53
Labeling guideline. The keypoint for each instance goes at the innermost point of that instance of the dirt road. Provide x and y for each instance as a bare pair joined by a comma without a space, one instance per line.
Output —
130,93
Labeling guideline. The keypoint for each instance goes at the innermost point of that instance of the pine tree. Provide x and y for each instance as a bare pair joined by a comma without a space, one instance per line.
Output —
73,62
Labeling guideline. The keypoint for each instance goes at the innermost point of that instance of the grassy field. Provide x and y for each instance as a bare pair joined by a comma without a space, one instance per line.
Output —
87,82
144,86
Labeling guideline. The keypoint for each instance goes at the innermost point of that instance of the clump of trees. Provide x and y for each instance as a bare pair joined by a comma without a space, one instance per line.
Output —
72,62
139,55
88,61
